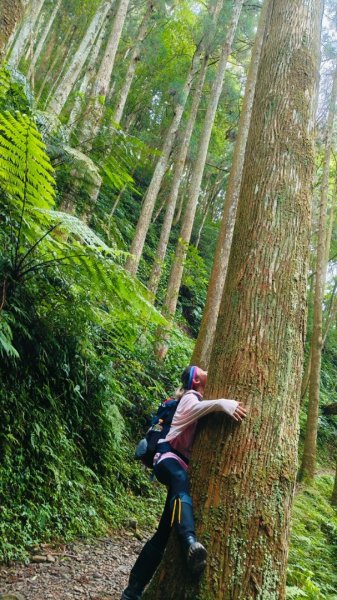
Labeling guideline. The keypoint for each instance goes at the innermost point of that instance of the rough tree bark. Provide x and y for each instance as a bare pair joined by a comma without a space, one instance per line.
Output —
10,15
177,269
243,477
308,465
203,346
25,32
71,75
135,58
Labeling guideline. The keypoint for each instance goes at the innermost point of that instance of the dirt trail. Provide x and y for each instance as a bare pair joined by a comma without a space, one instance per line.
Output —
78,571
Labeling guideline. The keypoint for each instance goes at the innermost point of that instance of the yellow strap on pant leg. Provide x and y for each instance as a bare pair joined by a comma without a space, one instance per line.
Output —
173,511
179,514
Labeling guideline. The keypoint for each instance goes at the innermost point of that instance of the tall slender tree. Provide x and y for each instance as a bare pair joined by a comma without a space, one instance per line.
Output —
87,77
203,346
26,31
177,269
101,84
308,465
243,477
135,57
179,167
199,165
159,172
42,39
153,190
72,73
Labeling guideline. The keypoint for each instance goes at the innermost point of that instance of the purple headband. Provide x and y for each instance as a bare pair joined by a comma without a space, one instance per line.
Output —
191,377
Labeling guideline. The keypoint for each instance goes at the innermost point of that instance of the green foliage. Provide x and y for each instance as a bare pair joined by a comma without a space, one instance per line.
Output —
313,549
78,375
25,169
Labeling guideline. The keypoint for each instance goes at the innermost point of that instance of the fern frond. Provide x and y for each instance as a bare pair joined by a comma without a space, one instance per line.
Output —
26,173
5,82
6,336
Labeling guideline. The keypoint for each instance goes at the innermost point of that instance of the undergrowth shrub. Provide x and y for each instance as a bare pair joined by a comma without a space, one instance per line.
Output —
313,549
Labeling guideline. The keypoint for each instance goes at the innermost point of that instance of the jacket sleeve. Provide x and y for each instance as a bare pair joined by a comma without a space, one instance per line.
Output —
191,409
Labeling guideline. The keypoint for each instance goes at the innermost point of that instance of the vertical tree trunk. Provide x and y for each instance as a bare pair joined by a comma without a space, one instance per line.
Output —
181,199
87,78
10,15
135,57
53,76
243,477
177,269
334,492
204,217
331,311
308,465
157,178
203,346
42,39
150,198
70,77
25,32
102,81
177,178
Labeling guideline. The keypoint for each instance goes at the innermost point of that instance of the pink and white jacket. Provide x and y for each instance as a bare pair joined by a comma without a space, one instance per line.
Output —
190,409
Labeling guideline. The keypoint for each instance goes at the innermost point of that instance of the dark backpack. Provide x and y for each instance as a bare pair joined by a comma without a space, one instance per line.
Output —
159,428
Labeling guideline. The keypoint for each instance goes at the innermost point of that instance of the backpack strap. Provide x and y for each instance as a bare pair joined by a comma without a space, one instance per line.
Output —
164,447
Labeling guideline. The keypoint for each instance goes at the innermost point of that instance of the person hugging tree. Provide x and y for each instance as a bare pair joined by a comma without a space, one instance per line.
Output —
171,468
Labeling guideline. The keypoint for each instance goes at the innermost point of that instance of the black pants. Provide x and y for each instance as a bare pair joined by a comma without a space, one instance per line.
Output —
170,473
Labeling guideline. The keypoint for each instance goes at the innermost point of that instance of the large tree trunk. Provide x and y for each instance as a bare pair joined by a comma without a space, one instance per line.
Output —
10,15
135,58
25,33
243,477
101,84
176,182
177,269
308,465
70,77
42,39
203,346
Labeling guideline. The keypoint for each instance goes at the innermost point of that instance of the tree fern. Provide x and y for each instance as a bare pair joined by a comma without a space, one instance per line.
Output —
42,239
26,173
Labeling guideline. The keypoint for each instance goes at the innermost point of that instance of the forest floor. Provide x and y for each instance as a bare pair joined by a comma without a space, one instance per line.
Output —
95,570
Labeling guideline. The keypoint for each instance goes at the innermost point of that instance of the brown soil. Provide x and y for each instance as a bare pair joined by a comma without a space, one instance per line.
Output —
76,571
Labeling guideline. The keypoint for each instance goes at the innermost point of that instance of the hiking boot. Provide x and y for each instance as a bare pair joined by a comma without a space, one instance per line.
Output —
196,558
134,590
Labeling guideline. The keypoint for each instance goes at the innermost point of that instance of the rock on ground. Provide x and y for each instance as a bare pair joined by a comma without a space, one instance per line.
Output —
95,570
